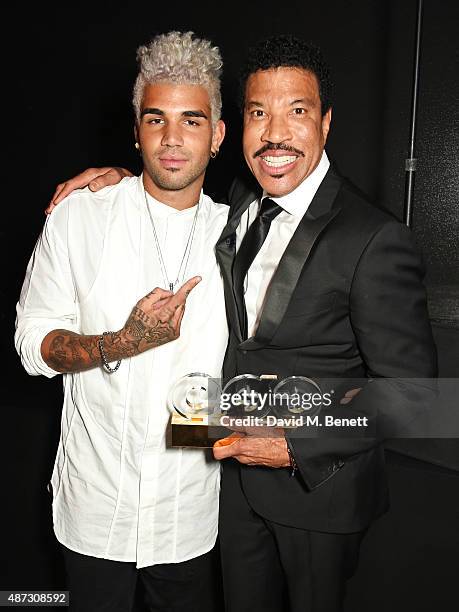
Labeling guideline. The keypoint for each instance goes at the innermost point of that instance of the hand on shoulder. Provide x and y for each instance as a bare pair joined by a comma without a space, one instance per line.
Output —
94,178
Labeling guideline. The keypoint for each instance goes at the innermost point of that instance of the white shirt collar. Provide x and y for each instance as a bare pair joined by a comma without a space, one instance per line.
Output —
297,201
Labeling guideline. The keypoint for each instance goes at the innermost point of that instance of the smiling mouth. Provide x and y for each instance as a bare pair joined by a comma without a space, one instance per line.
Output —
278,161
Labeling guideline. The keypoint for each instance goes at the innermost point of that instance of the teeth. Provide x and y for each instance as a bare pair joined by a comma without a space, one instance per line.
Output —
276,162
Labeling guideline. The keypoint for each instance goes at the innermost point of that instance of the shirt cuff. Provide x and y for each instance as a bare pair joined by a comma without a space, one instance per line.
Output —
29,349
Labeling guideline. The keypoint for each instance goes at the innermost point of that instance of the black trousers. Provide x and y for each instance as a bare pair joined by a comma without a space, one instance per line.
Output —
99,585
268,567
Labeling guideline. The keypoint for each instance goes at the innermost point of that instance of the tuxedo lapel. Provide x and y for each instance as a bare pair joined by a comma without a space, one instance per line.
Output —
225,251
238,207
284,281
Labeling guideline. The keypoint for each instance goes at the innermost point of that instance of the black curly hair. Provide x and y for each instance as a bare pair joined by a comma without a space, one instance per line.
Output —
288,51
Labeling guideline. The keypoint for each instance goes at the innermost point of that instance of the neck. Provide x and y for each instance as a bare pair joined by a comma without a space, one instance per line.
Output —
180,199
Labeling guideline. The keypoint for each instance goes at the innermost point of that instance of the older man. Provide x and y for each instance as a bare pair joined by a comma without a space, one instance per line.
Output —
326,286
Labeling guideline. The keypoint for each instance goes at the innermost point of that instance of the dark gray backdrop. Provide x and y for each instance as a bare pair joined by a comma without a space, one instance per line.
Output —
74,69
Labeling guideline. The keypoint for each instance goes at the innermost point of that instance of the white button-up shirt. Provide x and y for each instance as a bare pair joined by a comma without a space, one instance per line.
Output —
294,205
118,492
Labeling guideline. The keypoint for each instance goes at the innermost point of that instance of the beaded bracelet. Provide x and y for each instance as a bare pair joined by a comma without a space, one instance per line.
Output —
293,464
100,344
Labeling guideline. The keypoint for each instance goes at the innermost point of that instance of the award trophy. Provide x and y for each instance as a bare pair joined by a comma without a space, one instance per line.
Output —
202,413
296,398
193,401
242,408
262,401
245,393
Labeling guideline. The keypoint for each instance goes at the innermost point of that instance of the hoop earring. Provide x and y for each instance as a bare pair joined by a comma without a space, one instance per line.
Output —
213,154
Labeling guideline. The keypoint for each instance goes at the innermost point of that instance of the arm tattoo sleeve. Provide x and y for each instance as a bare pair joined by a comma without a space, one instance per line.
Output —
66,351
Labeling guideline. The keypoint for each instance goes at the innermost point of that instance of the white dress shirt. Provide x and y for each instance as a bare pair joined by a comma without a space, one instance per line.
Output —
294,205
118,492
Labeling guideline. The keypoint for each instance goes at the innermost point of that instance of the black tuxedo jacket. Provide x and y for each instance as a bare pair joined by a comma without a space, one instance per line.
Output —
346,301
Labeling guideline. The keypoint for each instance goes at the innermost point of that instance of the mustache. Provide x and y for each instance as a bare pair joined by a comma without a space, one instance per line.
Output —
173,152
277,146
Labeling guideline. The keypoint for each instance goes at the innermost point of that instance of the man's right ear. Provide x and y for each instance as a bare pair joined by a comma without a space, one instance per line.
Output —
136,138
218,136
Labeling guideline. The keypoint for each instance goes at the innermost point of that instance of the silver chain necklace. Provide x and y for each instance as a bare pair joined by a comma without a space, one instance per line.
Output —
186,252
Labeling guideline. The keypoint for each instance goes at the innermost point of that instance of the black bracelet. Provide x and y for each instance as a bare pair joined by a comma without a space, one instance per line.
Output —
293,463
100,344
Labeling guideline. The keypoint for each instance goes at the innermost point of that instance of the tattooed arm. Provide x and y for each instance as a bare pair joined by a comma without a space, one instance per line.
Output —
154,320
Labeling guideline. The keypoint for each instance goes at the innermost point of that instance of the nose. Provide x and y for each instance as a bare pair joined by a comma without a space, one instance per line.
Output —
277,129
172,136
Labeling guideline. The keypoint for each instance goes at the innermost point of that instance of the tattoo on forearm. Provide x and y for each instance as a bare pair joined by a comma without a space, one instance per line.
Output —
71,352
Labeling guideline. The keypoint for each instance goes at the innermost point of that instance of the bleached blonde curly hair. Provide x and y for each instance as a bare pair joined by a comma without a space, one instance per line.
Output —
182,58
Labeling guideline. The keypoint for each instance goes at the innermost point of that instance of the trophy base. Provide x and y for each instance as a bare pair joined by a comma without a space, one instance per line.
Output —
195,433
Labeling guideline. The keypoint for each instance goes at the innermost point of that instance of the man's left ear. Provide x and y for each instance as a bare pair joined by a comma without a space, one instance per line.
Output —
326,120
218,136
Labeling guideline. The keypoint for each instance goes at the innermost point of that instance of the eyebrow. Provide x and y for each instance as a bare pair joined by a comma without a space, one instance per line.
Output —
194,113
254,103
161,113
308,101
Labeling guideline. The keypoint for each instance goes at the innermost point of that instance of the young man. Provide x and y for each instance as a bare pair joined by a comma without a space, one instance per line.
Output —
319,283
123,504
